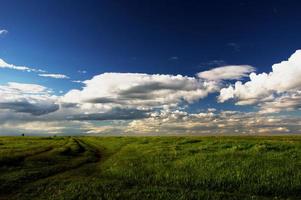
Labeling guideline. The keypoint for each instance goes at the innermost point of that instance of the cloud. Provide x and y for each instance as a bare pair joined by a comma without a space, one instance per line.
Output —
231,72
108,96
77,81
173,122
136,103
4,64
113,114
129,96
22,88
24,106
34,108
284,78
27,98
143,91
285,102
163,122
56,76
3,32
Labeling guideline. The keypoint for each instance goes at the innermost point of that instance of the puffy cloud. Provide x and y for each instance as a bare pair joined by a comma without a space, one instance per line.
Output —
285,102
56,76
285,77
231,72
17,88
142,91
27,98
109,96
129,96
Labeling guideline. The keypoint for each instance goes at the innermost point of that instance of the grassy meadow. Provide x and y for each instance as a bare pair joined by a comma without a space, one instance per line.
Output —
150,168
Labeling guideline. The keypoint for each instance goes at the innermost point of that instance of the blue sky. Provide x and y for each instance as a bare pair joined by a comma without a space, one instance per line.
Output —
150,37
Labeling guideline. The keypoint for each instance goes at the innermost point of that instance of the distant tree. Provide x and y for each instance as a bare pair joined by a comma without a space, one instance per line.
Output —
23,134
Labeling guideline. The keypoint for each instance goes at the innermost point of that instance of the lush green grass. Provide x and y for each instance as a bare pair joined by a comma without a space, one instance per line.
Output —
150,168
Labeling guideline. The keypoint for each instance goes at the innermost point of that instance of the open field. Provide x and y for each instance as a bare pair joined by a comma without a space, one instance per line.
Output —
150,167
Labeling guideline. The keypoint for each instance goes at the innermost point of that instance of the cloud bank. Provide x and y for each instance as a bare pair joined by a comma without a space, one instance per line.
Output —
209,122
138,103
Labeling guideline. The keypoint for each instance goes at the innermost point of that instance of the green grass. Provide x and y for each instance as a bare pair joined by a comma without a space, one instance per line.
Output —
150,168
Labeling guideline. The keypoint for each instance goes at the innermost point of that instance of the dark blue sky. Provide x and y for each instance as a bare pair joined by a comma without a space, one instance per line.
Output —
141,36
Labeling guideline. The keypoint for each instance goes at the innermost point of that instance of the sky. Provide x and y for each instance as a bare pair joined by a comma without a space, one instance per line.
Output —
150,67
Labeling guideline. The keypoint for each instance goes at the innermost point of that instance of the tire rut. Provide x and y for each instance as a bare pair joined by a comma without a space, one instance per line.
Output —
19,160
7,193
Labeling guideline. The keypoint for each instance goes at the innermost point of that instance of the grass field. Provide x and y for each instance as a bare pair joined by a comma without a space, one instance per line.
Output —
150,168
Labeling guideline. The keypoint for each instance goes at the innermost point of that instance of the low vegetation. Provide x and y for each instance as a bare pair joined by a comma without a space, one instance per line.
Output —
150,168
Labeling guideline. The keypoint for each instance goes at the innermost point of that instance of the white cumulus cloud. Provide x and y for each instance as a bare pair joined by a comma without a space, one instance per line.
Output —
264,87
140,90
27,98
